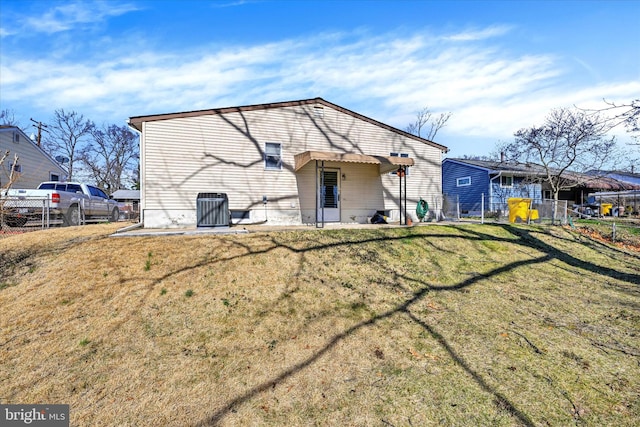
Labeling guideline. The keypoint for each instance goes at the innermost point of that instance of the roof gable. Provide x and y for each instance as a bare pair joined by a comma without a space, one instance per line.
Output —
40,150
136,121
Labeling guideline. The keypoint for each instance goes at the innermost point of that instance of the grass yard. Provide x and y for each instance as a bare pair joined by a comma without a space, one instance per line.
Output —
490,325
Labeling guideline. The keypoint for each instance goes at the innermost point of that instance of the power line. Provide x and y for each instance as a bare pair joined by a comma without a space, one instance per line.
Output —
41,127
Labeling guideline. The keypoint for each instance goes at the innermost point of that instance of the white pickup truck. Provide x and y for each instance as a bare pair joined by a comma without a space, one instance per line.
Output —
71,203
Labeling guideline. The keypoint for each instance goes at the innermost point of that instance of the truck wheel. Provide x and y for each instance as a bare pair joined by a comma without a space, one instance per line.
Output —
115,215
73,216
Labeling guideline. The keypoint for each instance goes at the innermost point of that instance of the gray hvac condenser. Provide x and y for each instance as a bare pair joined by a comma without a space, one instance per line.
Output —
212,210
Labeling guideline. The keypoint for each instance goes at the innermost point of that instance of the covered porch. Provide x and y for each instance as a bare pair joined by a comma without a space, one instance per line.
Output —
347,187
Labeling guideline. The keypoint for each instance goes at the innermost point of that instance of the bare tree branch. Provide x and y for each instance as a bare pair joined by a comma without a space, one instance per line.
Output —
67,134
8,118
428,124
627,114
112,152
570,141
12,177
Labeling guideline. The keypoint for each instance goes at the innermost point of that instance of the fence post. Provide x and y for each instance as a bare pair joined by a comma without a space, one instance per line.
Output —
613,232
482,209
43,213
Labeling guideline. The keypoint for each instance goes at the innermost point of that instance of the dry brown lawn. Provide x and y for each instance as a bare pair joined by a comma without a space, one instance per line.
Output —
488,325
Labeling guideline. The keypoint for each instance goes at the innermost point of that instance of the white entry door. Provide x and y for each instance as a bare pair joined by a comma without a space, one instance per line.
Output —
329,195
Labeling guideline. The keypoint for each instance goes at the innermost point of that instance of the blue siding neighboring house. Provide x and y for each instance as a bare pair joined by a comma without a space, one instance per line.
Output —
470,181
621,176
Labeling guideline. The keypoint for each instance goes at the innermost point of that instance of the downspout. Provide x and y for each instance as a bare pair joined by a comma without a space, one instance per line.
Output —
491,189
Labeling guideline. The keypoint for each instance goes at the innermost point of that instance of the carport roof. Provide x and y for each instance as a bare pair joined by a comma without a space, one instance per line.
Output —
386,163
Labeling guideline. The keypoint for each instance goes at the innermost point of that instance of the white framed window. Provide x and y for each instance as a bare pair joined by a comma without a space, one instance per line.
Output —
407,168
54,176
463,182
273,156
506,181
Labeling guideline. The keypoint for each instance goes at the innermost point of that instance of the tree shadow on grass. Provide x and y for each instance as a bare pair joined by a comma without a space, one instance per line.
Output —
514,236
403,308
528,239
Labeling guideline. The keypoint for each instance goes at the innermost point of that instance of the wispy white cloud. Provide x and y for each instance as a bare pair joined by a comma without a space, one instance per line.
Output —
224,4
61,17
491,92
479,34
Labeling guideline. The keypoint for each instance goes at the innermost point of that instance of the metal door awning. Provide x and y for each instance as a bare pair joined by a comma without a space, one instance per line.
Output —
387,163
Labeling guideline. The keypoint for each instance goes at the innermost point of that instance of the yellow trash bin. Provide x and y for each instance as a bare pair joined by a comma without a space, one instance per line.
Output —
519,209
605,208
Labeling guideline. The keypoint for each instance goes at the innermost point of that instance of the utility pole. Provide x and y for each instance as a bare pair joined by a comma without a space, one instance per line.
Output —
40,127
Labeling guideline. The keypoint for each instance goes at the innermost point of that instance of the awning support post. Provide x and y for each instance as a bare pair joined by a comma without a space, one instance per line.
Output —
319,198
404,175
399,173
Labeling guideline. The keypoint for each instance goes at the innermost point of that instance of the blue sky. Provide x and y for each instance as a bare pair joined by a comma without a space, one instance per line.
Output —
498,66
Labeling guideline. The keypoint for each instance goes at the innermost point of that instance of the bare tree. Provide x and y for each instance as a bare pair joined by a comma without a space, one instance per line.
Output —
627,114
9,178
427,124
7,182
8,118
112,153
67,134
569,141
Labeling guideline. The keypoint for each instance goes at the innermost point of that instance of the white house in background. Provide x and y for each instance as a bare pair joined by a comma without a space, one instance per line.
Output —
33,166
128,203
298,162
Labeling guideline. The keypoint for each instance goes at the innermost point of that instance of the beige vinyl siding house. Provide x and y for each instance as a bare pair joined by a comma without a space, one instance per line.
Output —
297,156
33,166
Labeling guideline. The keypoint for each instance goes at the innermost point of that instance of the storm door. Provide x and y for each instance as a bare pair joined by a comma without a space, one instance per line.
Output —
329,195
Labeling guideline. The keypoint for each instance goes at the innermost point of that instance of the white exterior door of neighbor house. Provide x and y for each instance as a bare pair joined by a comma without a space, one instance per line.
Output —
329,195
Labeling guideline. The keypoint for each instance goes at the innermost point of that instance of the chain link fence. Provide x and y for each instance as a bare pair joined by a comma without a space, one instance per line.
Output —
544,211
20,214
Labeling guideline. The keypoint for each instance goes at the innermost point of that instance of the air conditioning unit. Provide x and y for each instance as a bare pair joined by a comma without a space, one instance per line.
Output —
212,210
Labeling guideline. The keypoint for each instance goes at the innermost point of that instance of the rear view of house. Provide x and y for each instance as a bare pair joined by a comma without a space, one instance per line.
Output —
33,165
298,162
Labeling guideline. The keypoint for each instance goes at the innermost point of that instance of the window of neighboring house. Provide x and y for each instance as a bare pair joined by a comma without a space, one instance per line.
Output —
407,168
273,156
547,194
54,177
506,181
463,182
16,168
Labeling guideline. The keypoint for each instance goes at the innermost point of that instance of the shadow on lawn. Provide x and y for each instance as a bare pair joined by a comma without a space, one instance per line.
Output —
524,237
403,308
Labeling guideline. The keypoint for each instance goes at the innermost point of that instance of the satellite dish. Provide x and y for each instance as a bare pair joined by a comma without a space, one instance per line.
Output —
62,159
